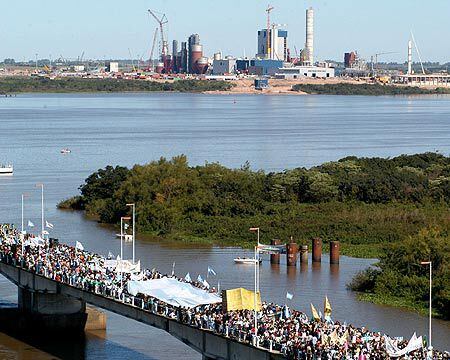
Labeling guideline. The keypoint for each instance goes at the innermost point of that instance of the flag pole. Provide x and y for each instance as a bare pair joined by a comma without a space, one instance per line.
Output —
121,253
22,215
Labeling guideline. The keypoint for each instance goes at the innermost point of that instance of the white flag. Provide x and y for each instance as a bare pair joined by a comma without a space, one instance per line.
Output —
205,284
49,225
79,246
211,271
110,255
188,277
30,224
173,268
289,296
199,278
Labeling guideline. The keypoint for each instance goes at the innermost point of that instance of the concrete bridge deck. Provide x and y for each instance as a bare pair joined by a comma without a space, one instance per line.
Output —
206,342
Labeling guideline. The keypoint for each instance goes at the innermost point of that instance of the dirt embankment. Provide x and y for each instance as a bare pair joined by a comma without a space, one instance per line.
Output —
279,86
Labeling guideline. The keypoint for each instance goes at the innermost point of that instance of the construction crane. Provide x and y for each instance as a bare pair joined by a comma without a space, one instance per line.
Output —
268,11
132,60
375,56
161,22
150,60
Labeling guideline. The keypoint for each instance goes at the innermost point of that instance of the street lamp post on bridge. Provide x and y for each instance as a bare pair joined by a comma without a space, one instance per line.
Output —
133,205
430,347
121,248
256,229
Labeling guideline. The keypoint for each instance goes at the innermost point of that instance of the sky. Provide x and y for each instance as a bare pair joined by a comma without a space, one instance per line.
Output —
112,29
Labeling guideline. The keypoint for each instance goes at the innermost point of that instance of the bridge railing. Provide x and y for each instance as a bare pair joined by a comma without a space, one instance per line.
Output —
152,305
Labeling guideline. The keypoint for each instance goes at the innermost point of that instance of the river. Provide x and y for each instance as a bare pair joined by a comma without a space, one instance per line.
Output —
271,132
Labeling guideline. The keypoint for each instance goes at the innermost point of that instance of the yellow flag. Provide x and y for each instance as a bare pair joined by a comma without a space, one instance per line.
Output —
333,337
315,315
327,308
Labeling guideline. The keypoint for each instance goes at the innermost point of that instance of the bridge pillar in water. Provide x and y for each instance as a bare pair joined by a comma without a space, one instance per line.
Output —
304,254
291,254
334,252
275,258
317,250
50,312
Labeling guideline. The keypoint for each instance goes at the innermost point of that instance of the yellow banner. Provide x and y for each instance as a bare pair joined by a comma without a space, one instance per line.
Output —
240,299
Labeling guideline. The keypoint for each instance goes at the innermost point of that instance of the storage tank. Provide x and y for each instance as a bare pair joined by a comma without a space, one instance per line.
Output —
159,67
202,65
195,55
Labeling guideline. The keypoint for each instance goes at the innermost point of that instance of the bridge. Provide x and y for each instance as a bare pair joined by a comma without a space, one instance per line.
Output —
65,304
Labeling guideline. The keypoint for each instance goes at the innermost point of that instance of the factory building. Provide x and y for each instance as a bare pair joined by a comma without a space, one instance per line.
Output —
112,67
263,67
223,66
242,66
306,67
349,59
274,49
297,72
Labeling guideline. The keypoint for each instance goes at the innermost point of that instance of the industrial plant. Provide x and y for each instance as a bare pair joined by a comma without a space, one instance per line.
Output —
275,58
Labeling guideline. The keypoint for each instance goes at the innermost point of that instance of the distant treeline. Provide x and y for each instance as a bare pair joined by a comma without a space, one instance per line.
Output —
363,202
42,84
365,89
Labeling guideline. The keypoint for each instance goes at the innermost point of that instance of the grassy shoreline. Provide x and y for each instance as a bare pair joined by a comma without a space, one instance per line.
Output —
366,89
398,302
75,85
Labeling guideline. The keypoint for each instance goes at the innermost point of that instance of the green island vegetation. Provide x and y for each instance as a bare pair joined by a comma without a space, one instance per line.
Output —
392,209
11,85
399,279
366,89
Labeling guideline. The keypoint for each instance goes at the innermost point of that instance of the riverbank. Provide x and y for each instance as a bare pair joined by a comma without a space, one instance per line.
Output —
79,85
305,86
365,89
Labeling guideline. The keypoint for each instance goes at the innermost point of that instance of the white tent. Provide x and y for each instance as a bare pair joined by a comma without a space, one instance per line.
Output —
173,292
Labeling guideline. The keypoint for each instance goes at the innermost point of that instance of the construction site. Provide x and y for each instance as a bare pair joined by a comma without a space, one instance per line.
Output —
275,65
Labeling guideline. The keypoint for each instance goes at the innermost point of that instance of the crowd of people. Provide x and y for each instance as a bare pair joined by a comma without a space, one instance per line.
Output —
278,328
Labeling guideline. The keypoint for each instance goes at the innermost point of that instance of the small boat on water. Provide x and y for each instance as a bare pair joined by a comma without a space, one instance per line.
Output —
250,261
126,237
6,169
66,151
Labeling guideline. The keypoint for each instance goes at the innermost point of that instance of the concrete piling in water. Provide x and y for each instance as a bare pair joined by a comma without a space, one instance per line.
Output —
291,254
334,252
317,250
275,258
304,254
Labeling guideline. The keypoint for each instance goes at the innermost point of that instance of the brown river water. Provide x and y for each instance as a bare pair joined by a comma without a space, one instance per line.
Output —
271,132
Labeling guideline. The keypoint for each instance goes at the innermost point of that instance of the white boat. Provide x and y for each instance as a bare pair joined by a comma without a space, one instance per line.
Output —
65,151
6,169
126,237
250,261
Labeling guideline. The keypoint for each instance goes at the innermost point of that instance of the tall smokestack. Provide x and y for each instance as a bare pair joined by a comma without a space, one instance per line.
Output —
409,57
309,46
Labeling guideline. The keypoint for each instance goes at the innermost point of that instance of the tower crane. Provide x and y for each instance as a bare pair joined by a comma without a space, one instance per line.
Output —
161,22
268,11
150,61
375,56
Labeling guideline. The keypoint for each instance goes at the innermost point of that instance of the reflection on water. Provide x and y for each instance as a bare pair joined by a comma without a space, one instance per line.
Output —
273,133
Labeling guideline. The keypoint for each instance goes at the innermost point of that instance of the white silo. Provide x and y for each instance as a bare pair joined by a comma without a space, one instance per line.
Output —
309,46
